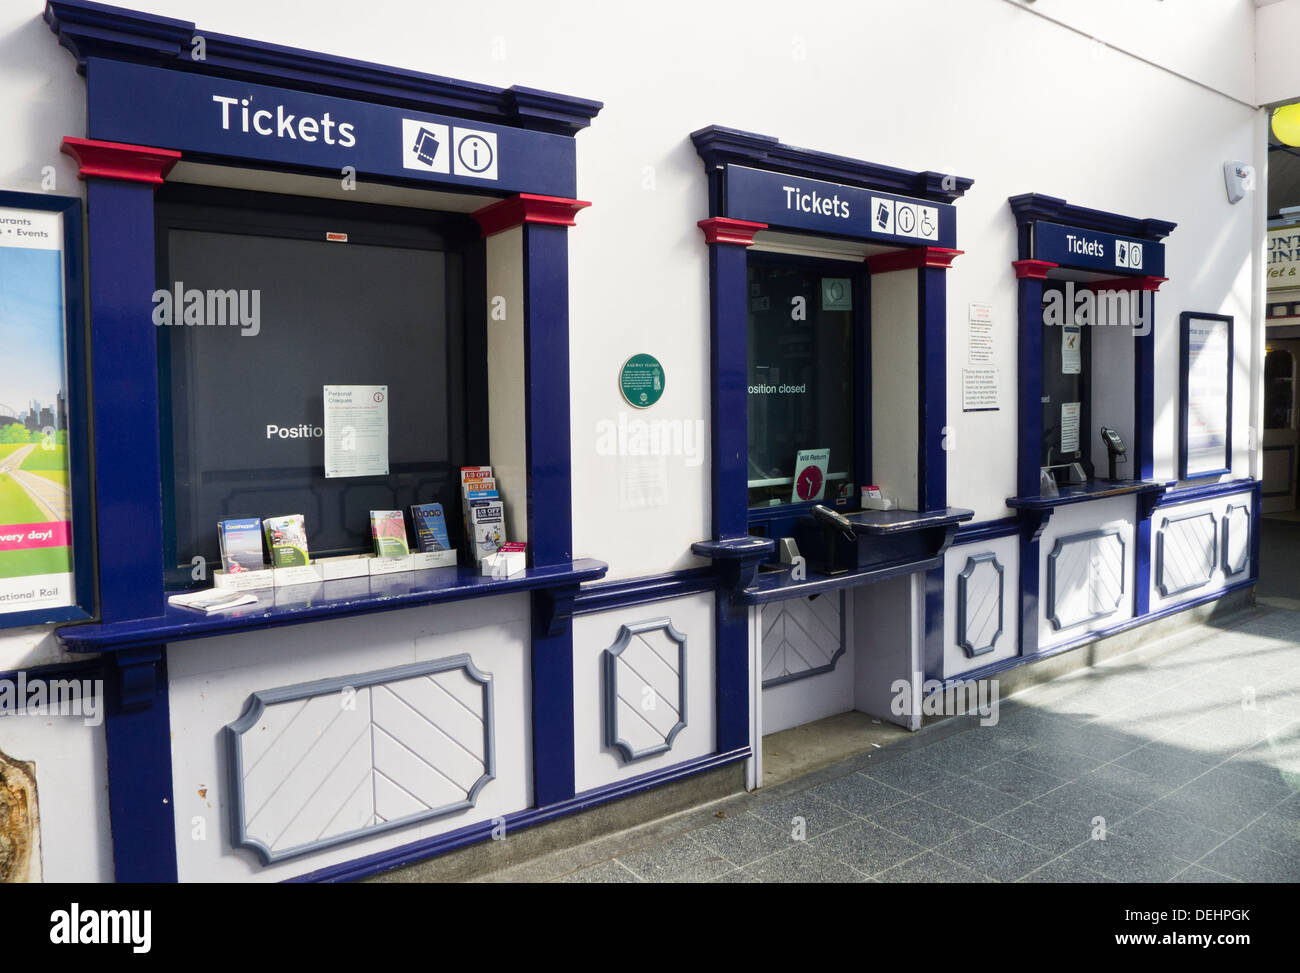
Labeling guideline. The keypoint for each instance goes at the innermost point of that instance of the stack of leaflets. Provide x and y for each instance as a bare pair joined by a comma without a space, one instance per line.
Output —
430,527
485,521
213,600
241,545
388,528
286,539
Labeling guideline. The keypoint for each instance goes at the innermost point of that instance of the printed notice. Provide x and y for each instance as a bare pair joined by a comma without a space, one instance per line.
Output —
979,390
980,347
356,430
1069,427
1071,339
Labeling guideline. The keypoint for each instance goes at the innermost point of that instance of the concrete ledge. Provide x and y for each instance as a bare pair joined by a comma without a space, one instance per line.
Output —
520,847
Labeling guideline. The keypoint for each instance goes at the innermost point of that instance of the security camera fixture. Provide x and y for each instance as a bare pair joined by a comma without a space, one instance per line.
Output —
1238,179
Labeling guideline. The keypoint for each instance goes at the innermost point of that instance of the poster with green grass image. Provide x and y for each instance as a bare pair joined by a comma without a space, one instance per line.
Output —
35,503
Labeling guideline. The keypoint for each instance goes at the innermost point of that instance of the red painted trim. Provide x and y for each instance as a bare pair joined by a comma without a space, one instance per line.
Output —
720,229
1128,284
1032,269
528,208
912,258
118,160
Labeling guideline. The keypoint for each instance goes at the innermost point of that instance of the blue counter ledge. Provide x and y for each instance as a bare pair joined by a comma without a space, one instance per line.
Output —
296,604
1092,490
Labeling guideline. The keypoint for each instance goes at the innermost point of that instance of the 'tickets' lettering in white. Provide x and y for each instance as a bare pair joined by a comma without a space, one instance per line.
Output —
1090,248
283,124
131,927
815,202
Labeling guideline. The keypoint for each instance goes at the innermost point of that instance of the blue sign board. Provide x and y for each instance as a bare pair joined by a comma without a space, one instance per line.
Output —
782,200
1094,250
198,114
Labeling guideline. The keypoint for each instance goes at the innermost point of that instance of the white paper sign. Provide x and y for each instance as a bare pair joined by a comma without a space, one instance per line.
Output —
979,389
1071,358
980,347
1069,427
356,430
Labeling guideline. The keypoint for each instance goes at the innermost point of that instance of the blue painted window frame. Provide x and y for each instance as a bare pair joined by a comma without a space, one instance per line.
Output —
1184,397
84,585
779,520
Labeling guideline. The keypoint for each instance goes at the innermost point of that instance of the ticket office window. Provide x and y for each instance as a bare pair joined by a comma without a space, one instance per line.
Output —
337,294
804,334
1067,386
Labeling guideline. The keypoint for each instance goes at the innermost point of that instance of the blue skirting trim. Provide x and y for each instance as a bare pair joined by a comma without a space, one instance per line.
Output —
606,595
986,530
1002,665
1209,491
440,844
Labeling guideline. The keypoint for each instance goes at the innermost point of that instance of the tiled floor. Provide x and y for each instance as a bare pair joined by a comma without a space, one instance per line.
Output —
1188,763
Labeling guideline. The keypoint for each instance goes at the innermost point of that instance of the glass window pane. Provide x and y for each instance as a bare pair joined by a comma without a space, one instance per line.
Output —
801,377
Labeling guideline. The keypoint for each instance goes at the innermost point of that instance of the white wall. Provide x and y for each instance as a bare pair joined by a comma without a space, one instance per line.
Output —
1277,72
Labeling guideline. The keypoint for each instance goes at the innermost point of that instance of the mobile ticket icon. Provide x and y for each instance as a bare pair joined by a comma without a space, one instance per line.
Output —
426,146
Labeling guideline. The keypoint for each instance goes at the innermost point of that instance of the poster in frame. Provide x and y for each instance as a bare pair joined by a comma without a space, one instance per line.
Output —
1205,395
46,552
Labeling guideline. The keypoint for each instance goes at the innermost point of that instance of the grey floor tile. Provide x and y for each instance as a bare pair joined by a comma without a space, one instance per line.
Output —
1276,832
817,814
972,800
1132,785
1085,803
1126,859
1061,872
1249,862
604,873
860,794
736,875
741,839
1221,800
1066,764
1005,740
995,854
910,773
867,848
803,864
1165,762
932,867
1018,780
924,823
1175,836
1199,875
679,859
1050,828
958,755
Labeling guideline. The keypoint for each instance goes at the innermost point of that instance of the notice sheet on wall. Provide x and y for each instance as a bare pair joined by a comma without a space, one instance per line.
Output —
356,430
1069,427
1071,339
980,347
979,390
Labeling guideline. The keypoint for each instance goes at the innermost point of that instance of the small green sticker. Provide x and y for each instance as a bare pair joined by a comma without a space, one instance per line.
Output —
837,294
641,381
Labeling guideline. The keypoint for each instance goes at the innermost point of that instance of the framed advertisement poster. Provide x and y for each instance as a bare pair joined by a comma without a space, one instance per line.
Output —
1205,397
46,561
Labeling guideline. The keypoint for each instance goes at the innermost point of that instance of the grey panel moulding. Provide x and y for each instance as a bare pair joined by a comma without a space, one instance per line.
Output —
1186,552
783,612
262,700
1101,553
614,663
1236,528
975,585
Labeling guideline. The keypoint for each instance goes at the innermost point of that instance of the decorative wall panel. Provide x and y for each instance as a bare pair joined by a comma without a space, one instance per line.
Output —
321,763
645,688
802,637
1236,539
979,604
1186,552
1085,577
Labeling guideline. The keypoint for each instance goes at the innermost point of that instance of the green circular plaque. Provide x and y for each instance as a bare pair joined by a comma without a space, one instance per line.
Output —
641,380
